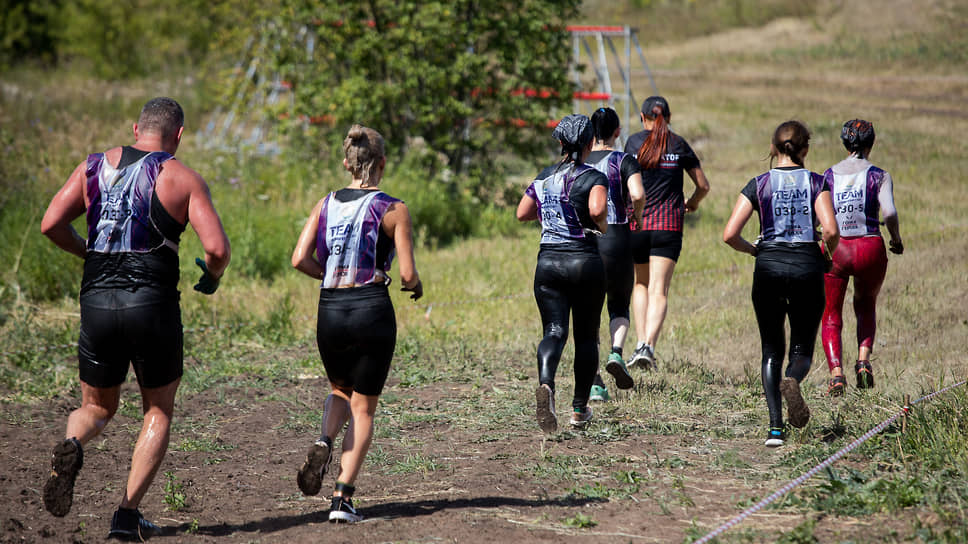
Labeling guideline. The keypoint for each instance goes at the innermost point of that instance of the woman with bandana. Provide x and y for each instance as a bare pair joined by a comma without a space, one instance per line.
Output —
569,200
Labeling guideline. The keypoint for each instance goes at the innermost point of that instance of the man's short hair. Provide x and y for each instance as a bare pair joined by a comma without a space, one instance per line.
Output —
161,115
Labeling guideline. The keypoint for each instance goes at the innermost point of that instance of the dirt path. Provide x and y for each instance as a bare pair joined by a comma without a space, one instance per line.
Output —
235,450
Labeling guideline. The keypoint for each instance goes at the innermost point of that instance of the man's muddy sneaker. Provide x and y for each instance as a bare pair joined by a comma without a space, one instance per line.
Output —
310,477
129,525
66,460
643,358
581,418
775,438
599,393
341,510
865,375
545,409
836,386
615,367
798,413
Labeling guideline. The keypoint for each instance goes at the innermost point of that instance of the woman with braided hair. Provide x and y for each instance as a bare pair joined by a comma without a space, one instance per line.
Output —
354,232
657,239
569,200
861,193
788,275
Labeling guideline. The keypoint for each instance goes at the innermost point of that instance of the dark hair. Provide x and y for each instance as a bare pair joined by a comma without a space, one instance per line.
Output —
857,135
790,139
163,116
604,123
651,150
363,148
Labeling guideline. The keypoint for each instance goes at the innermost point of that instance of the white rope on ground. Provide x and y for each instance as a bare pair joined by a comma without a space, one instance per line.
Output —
824,464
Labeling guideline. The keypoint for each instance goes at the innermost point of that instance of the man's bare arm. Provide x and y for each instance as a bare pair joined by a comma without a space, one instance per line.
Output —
66,206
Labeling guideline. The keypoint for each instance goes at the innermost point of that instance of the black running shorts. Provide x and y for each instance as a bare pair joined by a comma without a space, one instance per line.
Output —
656,243
357,332
140,328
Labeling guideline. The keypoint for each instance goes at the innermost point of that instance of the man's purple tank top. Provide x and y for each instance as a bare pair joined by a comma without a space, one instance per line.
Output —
119,214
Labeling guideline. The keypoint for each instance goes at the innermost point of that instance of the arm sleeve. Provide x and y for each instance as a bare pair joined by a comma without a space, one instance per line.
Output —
750,193
531,192
630,167
687,157
885,196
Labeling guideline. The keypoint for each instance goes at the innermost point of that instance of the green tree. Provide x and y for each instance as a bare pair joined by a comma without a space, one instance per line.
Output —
25,31
470,79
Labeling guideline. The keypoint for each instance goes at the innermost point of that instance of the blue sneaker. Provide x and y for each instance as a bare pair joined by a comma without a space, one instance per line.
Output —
599,393
615,367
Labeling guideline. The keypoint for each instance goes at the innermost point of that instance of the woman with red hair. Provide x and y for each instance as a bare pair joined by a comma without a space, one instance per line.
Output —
657,240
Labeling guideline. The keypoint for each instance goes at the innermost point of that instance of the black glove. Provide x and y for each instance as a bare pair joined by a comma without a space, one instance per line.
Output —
417,290
207,284
896,246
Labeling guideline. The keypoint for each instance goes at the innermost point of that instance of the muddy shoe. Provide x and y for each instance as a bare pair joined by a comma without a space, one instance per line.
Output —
775,438
129,525
579,419
66,460
545,409
310,477
836,386
865,375
798,413
615,367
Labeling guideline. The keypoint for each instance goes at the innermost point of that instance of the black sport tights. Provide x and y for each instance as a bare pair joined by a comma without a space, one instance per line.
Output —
776,298
575,282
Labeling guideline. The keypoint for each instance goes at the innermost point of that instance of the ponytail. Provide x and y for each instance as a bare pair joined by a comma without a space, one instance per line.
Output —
790,139
651,150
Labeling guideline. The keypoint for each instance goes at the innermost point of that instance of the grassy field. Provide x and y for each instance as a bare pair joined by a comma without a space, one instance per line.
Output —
683,449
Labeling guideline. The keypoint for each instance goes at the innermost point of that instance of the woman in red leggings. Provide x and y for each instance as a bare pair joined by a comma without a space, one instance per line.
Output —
861,192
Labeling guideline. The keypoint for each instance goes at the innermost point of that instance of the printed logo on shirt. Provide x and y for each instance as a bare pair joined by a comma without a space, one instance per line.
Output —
669,160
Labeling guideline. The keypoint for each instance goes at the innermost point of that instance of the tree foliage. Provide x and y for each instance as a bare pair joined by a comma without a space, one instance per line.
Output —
470,79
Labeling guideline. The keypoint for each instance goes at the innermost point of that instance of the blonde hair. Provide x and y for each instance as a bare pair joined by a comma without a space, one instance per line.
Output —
363,148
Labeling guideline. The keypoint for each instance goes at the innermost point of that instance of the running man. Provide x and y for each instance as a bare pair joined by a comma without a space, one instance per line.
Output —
138,200
354,232
569,200
625,195
861,192
788,275
657,241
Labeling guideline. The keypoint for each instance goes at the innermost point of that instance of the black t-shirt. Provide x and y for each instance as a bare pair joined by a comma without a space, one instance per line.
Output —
664,201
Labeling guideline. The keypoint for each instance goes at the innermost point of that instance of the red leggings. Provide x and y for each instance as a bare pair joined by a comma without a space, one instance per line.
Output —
864,258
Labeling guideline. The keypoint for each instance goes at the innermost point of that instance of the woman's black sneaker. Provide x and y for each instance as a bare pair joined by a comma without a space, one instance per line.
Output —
342,510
